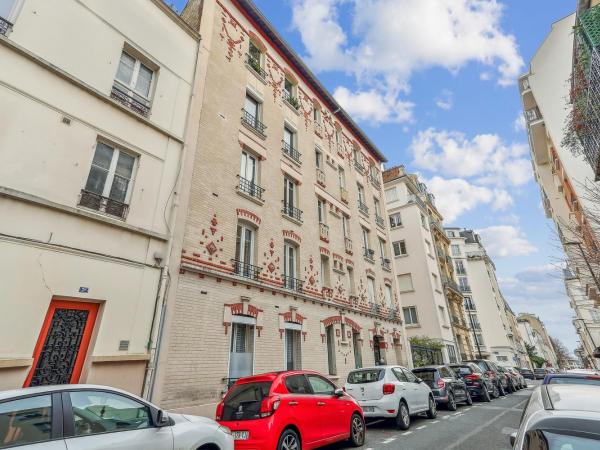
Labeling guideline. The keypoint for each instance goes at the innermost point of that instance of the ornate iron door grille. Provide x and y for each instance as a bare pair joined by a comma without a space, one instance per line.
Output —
61,347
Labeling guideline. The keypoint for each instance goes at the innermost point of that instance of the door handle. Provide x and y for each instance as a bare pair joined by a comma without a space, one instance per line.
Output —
320,403
293,403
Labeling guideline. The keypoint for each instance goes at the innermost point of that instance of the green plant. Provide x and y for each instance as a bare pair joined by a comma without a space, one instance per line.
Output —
424,341
293,101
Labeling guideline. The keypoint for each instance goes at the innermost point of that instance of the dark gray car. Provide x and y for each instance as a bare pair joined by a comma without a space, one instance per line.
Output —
447,388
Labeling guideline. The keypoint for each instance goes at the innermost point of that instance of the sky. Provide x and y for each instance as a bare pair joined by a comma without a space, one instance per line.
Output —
433,83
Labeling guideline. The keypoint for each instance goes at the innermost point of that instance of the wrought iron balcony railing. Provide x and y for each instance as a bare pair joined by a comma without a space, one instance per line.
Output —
451,284
292,211
385,264
359,166
344,194
321,177
5,26
249,120
363,208
246,270
292,283
379,221
130,100
105,205
348,245
250,188
324,232
291,151
465,288
254,64
369,254
291,100
375,181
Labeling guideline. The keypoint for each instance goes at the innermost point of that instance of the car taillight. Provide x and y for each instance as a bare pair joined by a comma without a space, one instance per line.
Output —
472,377
441,383
219,413
388,389
489,373
268,406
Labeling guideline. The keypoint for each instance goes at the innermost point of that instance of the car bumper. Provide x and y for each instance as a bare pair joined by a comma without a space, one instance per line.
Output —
379,408
440,395
475,391
262,437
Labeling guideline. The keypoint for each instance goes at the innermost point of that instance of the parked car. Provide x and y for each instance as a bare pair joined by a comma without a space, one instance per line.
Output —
560,417
448,389
391,392
290,410
527,373
84,416
572,378
491,370
478,383
511,380
540,373
522,382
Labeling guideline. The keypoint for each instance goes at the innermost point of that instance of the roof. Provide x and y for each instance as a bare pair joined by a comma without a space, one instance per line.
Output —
574,397
5,395
253,13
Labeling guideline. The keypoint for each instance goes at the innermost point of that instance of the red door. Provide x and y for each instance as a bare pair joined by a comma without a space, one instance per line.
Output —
62,346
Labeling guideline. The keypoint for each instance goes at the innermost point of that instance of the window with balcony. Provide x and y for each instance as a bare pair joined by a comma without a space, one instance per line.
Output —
395,220
255,58
455,248
399,248
325,274
385,261
8,14
388,296
479,339
109,183
290,145
289,93
474,322
460,267
378,217
252,114
133,84
244,252
463,283
249,176
469,304
405,283
290,267
358,160
362,202
290,197
368,253
371,289
410,315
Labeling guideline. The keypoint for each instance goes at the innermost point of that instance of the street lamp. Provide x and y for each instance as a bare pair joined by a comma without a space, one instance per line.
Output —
587,262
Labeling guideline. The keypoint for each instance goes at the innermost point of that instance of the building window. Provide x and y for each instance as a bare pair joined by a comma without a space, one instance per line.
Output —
255,59
474,322
290,262
325,275
460,267
289,93
388,295
331,365
351,288
249,176
368,253
317,115
391,195
405,283
342,178
133,84
251,115
318,158
356,344
241,353
455,250
8,14
377,210
451,353
463,283
450,233
289,199
321,211
371,289
410,315
344,226
109,183
395,220
293,347
290,146
244,252
469,304
399,248
479,339
595,316
361,193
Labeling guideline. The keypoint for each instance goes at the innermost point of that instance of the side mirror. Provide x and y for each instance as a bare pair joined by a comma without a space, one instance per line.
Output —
419,380
513,438
162,418
338,392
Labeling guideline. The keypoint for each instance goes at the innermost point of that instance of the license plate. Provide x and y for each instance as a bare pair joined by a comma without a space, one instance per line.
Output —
240,435
368,408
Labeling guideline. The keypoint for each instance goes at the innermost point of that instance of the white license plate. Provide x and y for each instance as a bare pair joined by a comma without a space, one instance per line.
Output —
240,435
368,408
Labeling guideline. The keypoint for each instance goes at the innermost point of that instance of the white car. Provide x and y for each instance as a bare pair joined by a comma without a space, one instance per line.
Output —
79,416
391,392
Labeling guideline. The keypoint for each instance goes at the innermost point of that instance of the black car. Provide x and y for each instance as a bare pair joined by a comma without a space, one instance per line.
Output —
527,373
511,381
478,383
447,388
491,370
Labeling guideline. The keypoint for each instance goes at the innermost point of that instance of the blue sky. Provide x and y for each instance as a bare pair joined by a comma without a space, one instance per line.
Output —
433,84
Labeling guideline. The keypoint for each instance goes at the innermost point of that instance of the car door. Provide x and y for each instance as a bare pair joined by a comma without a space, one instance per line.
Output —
458,386
32,423
405,389
303,408
420,391
98,420
332,411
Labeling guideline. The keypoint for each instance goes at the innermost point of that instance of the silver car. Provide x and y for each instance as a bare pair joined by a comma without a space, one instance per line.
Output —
560,416
78,417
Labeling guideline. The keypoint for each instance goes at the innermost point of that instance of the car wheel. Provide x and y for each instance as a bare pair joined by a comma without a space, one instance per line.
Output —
485,396
289,440
469,400
403,417
451,405
357,431
501,390
432,411
496,392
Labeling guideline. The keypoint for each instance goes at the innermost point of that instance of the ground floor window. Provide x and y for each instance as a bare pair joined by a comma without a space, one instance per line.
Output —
241,352
330,334
377,353
293,348
356,344
451,354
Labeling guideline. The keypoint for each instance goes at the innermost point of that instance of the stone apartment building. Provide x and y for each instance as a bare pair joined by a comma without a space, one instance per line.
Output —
534,333
432,301
285,261
564,178
488,313
95,105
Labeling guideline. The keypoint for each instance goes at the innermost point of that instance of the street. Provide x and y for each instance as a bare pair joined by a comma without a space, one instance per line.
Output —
483,425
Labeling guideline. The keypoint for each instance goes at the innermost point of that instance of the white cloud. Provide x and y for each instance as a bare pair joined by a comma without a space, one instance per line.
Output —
372,106
454,197
484,157
519,123
505,240
445,100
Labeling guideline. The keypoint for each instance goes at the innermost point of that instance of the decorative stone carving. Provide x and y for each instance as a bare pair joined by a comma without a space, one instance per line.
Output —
232,33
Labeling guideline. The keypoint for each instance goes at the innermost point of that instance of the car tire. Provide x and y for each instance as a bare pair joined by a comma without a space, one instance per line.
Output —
403,416
469,400
357,431
495,392
289,440
451,405
432,411
485,395
501,390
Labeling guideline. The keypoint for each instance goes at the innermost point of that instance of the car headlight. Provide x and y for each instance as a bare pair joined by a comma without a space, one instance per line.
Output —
224,429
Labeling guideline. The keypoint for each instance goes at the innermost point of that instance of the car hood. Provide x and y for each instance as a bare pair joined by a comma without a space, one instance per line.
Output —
178,418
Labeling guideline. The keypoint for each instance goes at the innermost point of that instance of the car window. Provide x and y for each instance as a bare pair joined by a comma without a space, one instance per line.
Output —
425,375
25,421
545,440
399,374
320,385
482,366
445,373
475,368
243,401
572,380
365,376
96,412
409,376
462,370
297,384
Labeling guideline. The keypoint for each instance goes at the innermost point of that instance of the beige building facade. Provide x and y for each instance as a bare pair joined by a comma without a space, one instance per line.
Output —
93,131
534,333
284,262
432,302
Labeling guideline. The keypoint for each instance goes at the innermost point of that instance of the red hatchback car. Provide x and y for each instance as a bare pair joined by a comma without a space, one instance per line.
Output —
291,410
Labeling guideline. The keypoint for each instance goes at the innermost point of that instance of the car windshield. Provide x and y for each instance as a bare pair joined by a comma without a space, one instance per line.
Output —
425,374
365,376
243,401
462,370
540,370
594,381
481,365
546,440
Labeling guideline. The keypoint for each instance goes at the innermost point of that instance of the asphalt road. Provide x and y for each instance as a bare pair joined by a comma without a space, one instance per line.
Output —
481,426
